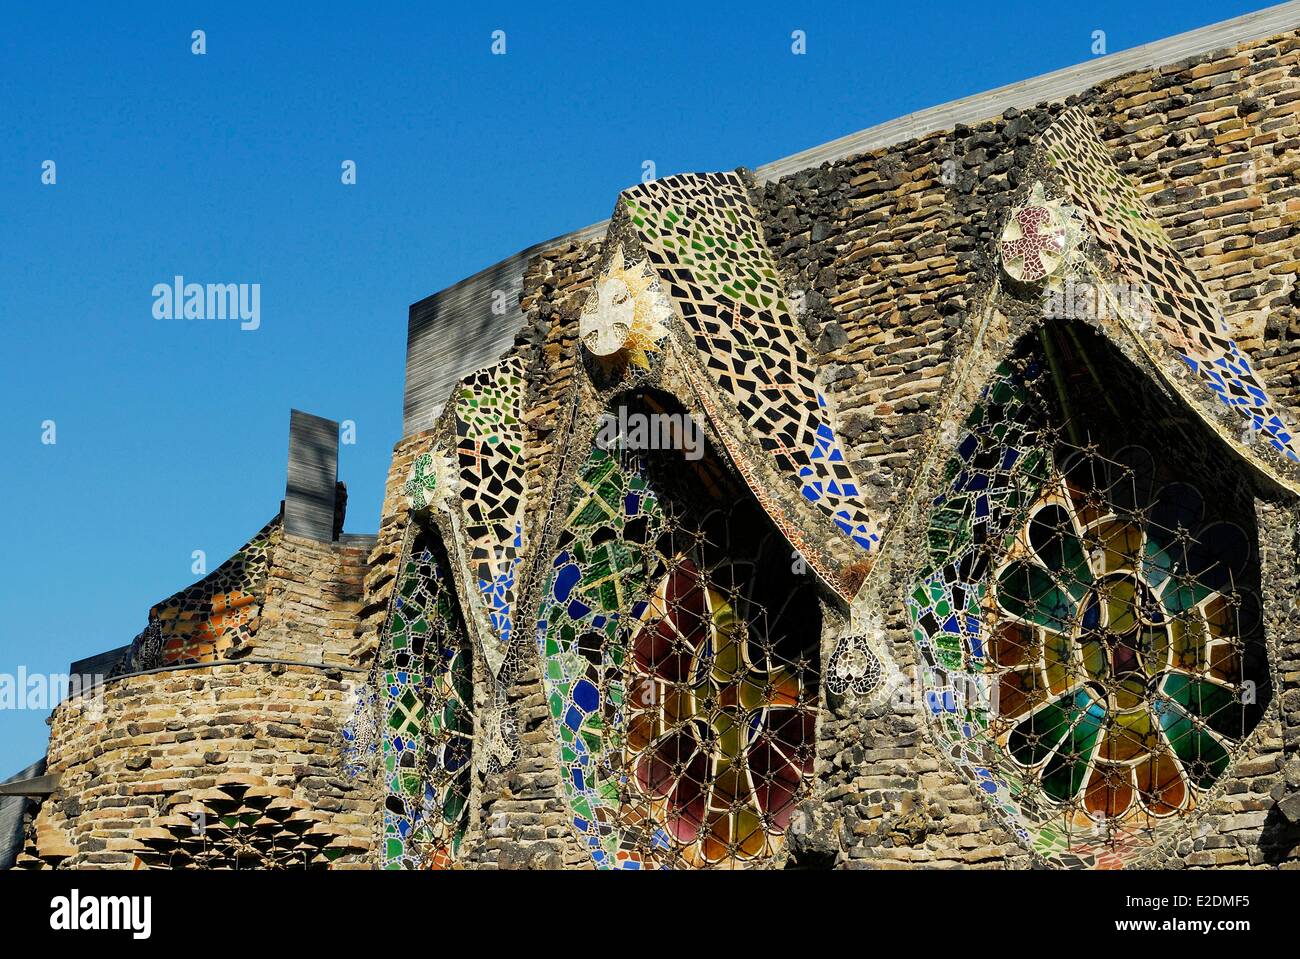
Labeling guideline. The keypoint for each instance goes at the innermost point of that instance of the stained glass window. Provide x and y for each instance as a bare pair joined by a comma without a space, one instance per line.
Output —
425,673
1089,620
681,654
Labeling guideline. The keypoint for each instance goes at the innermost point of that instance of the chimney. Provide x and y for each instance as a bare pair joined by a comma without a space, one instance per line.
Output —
311,493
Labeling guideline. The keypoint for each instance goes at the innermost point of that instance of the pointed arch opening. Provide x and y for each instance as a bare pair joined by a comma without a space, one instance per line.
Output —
1089,616
680,639
425,695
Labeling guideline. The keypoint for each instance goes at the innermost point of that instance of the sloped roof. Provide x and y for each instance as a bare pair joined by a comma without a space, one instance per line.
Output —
12,809
470,324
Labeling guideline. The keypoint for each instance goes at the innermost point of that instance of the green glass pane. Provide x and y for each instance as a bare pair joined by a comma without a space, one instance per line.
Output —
1219,706
1202,756
1063,777
1035,738
1028,591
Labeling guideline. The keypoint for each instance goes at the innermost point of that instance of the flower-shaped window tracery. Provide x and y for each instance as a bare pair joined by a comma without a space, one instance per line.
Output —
681,660
1118,647
1089,620
720,736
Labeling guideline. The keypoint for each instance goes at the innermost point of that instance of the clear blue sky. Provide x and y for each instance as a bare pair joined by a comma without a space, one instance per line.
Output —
171,436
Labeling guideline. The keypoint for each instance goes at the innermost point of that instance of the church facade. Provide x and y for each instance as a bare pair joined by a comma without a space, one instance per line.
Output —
933,504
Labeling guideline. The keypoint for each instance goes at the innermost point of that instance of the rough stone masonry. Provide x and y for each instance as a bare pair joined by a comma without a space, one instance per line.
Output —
550,657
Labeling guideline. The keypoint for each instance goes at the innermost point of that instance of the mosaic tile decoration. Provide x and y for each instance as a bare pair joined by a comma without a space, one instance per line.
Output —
489,451
361,732
625,313
144,654
854,668
222,610
776,510
1089,655
707,246
1040,239
1139,249
432,482
685,708
425,686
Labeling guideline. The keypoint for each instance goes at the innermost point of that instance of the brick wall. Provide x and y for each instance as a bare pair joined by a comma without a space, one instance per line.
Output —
314,593
889,253
157,741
